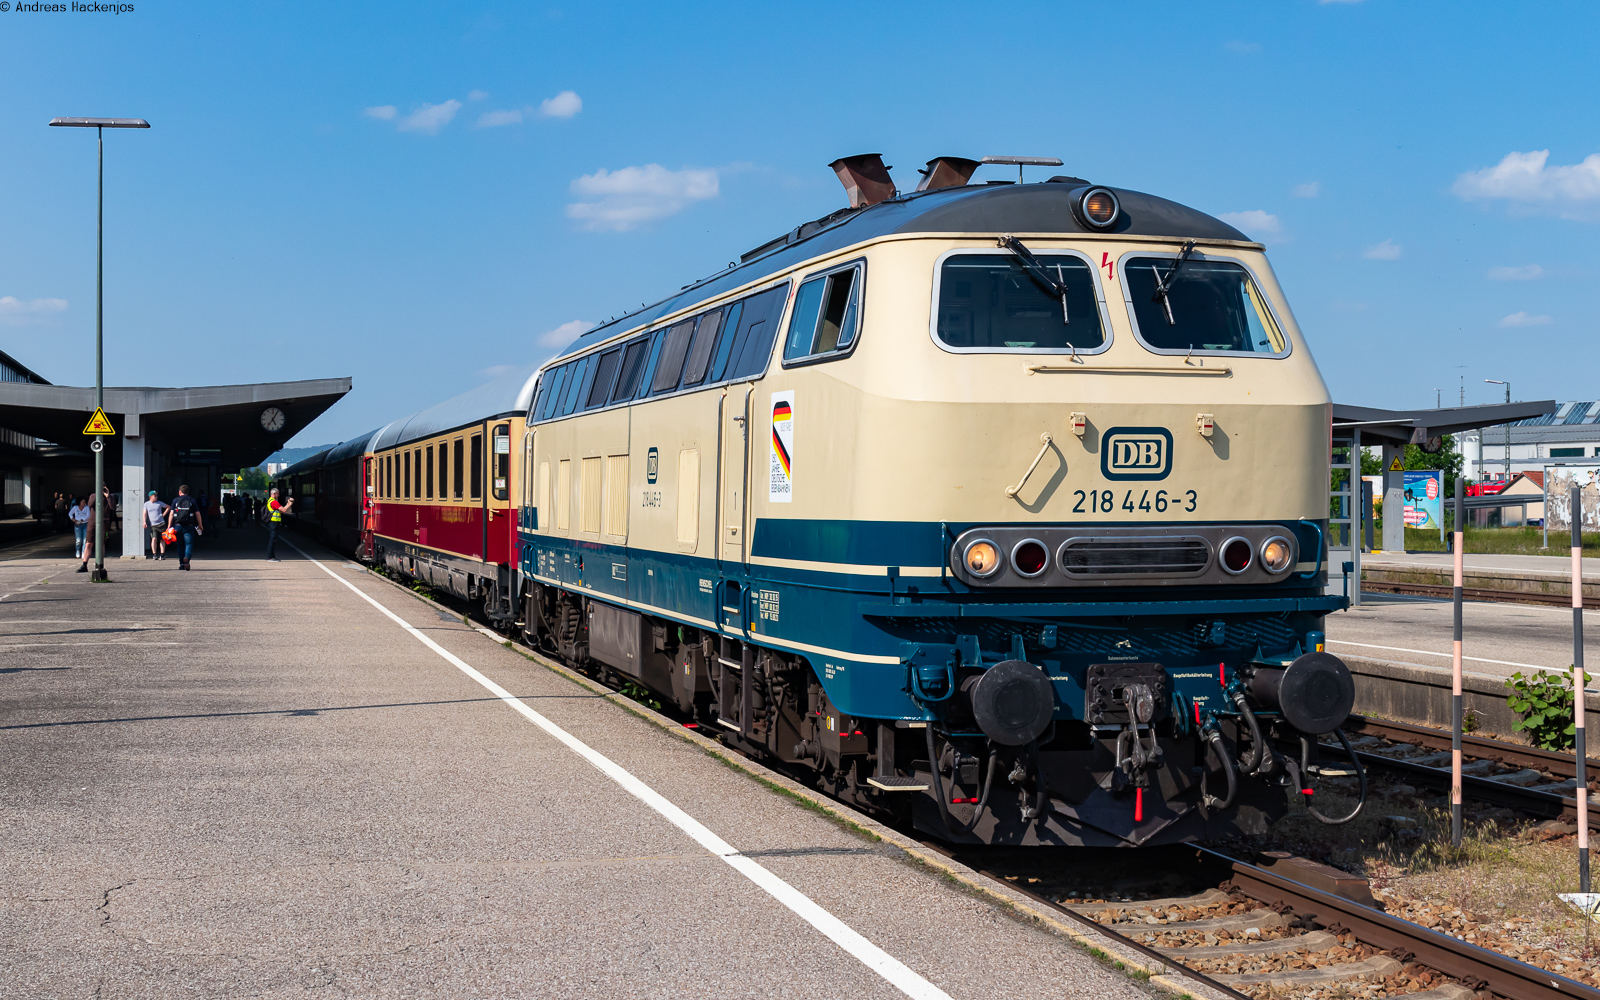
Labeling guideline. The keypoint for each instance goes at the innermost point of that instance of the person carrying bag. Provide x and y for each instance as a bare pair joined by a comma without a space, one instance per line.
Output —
185,518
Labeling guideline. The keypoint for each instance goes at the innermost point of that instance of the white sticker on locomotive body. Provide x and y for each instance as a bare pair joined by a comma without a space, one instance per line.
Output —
780,451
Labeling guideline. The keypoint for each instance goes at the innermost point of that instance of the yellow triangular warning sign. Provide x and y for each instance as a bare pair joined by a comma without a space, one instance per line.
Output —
1394,466
98,424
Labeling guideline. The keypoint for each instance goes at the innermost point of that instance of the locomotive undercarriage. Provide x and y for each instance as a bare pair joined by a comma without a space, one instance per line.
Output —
1134,773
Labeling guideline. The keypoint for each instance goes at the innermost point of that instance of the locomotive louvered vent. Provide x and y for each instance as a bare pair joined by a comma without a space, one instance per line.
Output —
1136,555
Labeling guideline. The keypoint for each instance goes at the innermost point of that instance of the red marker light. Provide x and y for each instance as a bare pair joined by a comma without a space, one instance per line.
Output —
691,725
1138,805
1306,791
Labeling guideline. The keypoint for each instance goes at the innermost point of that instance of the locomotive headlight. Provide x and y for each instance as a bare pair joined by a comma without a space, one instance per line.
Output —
1099,207
1275,554
982,558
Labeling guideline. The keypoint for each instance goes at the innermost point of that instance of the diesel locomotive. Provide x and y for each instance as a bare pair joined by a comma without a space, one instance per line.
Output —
996,508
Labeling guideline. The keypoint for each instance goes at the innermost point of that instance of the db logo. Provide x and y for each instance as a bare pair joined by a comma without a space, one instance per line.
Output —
1135,453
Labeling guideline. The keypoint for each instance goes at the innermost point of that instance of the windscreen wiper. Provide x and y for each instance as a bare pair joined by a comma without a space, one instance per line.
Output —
1056,287
1164,285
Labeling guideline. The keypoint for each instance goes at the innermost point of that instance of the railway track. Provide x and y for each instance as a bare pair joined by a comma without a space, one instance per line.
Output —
1467,593
1278,926
1529,780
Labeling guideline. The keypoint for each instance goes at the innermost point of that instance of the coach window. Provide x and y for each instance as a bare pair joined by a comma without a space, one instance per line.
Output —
429,474
455,486
633,359
444,470
997,302
407,460
673,351
477,467
502,461
1198,305
705,340
826,310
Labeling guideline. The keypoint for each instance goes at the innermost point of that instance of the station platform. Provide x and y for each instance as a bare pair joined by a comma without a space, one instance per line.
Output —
1544,575
270,779
1400,649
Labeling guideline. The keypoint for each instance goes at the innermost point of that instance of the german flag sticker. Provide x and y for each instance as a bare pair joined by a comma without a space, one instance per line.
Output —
780,476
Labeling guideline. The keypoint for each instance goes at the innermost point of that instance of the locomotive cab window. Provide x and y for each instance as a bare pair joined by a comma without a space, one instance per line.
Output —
998,302
1182,305
826,315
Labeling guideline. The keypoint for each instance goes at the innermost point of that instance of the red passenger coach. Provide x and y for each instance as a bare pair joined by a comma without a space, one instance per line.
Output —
432,496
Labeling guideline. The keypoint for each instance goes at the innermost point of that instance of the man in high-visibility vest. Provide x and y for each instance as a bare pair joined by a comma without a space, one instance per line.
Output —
275,512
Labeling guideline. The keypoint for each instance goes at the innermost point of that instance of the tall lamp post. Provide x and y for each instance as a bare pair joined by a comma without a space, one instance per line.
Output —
100,125
1495,381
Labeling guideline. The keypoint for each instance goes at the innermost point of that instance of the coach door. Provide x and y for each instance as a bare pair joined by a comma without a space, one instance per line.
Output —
733,500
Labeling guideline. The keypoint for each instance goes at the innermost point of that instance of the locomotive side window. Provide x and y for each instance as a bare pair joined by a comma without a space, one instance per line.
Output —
730,327
758,327
633,359
825,316
673,351
605,374
705,338
558,387
648,379
574,386
991,302
477,466
1206,306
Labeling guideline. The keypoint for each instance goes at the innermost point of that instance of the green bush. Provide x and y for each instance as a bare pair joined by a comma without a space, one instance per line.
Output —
1545,703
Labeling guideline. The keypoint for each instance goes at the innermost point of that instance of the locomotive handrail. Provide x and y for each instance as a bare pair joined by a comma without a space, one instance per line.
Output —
1320,538
1044,439
1222,372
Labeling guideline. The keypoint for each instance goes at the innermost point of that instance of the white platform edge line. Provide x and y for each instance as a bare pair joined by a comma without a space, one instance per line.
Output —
1424,652
895,972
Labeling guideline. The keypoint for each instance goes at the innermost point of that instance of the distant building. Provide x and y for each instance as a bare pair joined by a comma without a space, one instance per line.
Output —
273,468
1571,434
19,453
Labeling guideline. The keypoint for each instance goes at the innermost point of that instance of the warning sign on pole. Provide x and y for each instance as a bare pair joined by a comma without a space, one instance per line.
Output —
1395,465
98,424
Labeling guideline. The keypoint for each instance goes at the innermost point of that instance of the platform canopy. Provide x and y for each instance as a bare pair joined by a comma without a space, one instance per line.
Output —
235,420
1422,427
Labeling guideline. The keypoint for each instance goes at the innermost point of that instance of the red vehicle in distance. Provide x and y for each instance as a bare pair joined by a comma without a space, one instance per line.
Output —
1486,488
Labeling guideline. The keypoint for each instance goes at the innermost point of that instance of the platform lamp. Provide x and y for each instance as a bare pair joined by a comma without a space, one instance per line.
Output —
100,125
1495,381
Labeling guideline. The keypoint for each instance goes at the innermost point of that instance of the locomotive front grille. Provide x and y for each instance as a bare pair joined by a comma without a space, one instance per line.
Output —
1135,555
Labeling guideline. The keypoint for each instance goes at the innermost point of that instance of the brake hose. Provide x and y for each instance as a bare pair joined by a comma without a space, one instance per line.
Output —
950,825
1214,741
1257,754
1361,776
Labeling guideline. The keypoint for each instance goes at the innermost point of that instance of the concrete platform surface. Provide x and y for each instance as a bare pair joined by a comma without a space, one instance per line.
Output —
247,780
1498,639
1558,561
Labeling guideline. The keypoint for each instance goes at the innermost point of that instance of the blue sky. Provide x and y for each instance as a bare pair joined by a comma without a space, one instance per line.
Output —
415,194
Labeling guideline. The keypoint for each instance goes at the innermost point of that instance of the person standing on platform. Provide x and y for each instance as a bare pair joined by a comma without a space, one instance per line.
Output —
80,515
60,517
155,522
275,512
185,518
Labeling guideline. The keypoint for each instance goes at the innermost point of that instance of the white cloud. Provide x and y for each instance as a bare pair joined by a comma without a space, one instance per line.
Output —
1255,222
1528,180
563,105
1387,250
1523,319
477,95
1242,48
383,112
492,119
1525,272
29,312
552,341
632,196
1310,189
430,118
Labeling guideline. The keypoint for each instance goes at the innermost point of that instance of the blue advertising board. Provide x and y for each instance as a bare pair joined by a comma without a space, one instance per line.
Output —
1425,498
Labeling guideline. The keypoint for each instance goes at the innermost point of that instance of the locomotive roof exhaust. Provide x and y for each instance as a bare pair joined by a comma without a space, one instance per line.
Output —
946,171
865,178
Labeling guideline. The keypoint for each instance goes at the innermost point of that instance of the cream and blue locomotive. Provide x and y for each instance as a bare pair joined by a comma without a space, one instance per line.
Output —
999,508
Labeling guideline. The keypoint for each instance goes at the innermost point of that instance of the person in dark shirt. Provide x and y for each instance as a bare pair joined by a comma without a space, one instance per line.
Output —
186,518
